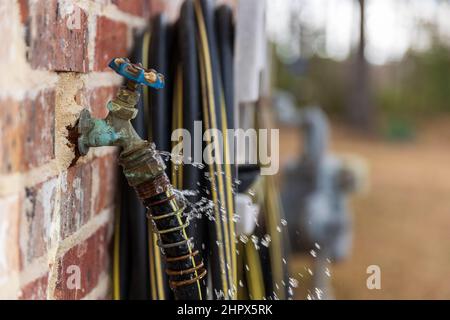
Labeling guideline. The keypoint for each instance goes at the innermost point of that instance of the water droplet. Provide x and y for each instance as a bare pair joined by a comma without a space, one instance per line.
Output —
313,253
283,222
290,292
319,293
317,245
293,282
265,241
243,238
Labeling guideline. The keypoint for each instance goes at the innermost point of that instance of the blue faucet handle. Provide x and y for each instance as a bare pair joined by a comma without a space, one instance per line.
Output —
136,73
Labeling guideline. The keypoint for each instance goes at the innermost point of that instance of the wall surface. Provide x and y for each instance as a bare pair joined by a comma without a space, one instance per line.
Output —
56,211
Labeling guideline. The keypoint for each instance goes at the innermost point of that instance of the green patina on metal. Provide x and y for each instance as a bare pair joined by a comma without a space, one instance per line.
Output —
139,158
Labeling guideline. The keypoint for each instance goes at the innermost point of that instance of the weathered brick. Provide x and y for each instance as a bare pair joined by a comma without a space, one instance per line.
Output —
39,129
157,6
104,182
110,42
90,258
24,10
96,100
27,132
135,7
75,207
12,136
35,227
9,235
35,290
59,37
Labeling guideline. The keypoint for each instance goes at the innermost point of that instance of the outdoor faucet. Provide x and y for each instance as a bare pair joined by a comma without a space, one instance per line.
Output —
144,170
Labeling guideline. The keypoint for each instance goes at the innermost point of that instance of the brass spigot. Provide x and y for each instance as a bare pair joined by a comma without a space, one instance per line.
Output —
145,171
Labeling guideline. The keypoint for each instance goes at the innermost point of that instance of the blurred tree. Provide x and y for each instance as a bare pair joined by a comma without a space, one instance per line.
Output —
360,112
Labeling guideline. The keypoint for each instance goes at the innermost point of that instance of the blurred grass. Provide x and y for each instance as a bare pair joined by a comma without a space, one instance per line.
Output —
402,224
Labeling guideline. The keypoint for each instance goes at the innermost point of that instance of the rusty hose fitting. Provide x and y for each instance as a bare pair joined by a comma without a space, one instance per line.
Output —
144,169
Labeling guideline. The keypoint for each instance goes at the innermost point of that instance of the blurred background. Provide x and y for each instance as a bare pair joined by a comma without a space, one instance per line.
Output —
380,69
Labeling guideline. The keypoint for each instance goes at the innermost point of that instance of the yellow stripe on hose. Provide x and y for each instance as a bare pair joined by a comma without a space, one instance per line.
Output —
153,287
254,275
159,271
208,99
273,217
229,186
116,263
214,193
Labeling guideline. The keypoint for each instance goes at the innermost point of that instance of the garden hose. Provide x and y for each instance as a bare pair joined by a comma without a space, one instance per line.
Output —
222,233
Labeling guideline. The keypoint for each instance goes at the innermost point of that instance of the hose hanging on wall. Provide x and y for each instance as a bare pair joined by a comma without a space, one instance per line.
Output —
222,233
200,78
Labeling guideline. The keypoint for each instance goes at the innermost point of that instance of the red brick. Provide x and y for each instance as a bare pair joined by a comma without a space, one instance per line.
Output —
55,46
36,217
135,7
27,132
104,171
111,42
75,207
24,10
157,6
10,207
39,129
35,290
92,258
96,100
12,133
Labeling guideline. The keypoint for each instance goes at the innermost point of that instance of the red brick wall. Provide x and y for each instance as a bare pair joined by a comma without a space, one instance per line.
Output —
56,213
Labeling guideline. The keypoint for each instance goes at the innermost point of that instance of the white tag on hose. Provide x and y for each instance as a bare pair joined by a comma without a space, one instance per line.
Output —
247,213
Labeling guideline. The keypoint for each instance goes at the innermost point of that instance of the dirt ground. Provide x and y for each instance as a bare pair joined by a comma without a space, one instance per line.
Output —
401,223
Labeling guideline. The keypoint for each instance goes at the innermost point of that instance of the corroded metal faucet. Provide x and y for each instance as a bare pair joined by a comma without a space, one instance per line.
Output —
145,171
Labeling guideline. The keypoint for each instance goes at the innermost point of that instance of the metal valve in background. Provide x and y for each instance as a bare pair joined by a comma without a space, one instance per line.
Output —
315,195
